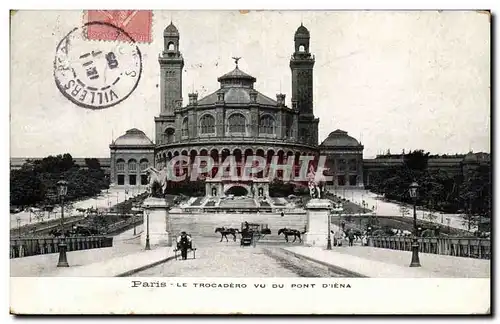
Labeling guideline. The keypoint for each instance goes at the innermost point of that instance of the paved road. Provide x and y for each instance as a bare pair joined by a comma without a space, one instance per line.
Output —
231,260
387,208
106,199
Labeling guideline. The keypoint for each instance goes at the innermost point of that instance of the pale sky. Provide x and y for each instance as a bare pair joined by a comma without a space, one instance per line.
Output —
394,80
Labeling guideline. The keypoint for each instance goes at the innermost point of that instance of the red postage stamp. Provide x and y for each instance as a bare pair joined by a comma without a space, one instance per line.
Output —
136,23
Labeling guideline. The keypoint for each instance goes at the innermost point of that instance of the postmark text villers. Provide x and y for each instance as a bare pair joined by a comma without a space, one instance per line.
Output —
96,75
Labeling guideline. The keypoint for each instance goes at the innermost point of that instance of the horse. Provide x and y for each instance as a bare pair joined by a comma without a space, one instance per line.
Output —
265,231
289,232
355,232
225,231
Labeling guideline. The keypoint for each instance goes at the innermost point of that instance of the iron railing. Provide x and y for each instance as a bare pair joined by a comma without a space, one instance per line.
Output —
23,247
470,247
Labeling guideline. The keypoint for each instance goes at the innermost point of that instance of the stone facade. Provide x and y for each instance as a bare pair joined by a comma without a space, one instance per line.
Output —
131,154
344,160
236,119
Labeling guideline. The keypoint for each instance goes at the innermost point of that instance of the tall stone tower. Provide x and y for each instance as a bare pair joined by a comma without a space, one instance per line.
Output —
171,65
301,64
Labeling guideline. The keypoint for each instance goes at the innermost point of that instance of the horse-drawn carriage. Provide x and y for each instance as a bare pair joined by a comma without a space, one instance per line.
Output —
251,233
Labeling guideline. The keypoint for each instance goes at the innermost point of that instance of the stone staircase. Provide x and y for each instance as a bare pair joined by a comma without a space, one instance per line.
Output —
240,203
202,225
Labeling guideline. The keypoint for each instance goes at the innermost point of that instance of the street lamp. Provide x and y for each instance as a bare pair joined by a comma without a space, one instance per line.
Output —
368,233
63,190
137,208
146,209
413,190
329,240
18,219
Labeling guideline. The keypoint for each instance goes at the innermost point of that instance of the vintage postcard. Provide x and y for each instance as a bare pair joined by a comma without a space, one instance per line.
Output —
250,162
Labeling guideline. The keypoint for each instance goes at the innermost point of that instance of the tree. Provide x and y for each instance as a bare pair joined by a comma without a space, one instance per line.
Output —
475,195
469,220
278,188
36,181
54,164
416,160
25,188
439,190
93,163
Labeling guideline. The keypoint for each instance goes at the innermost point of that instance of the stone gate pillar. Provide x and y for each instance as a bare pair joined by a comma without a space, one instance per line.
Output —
318,211
159,222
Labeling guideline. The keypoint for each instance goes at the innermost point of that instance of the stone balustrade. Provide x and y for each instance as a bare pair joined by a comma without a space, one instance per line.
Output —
232,138
455,246
23,247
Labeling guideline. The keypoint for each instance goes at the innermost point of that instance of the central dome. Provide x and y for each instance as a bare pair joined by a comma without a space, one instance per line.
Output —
340,138
238,88
133,136
236,77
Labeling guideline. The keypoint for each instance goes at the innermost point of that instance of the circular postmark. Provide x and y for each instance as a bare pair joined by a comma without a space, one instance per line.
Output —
97,74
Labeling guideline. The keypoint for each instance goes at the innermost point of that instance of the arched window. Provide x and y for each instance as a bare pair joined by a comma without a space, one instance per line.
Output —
237,123
266,125
353,164
171,46
341,164
184,128
169,135
144,164
302,48
132,166
120,165
207,124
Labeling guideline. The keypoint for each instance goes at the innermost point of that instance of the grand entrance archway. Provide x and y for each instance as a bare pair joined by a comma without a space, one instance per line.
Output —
253,188
237,190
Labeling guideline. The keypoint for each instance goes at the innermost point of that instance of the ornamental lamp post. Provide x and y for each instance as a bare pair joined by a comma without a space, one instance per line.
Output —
18,219
146,210
329,239
62,186
413,191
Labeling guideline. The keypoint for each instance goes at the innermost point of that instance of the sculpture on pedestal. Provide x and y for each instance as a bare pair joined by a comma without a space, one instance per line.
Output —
314,189
157,182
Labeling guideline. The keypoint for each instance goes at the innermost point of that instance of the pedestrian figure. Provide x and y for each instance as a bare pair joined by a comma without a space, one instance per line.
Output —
363,240
282,214
338,238
351,238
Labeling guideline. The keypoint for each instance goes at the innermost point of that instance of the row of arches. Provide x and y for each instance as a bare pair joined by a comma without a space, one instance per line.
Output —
240,156
131,166
236,123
